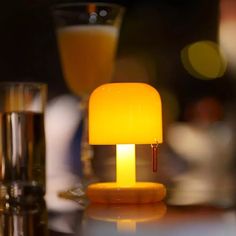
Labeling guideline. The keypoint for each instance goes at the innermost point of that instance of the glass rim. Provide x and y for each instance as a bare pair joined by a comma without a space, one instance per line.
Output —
63,6
22,83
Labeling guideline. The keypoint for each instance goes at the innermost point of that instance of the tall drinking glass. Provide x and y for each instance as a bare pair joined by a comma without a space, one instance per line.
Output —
87,35
22,139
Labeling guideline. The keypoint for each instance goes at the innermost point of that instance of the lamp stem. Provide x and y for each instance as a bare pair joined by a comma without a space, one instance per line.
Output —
125,164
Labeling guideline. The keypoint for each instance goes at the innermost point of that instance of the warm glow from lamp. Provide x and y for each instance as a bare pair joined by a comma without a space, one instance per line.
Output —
128,226
125,114
125,165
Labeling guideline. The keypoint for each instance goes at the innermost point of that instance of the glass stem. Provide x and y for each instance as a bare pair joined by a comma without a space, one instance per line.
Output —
86,149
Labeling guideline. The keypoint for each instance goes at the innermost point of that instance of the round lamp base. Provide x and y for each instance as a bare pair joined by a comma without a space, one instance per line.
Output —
140,192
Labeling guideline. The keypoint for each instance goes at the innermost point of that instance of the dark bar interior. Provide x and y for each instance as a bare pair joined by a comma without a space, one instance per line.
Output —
186,51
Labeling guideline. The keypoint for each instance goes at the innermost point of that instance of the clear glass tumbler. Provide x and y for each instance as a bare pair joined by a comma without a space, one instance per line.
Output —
22,139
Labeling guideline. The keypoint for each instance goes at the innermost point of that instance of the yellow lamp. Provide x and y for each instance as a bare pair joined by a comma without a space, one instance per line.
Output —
125,114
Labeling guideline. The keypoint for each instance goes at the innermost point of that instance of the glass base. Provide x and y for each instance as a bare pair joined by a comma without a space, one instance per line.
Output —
76,194
21,192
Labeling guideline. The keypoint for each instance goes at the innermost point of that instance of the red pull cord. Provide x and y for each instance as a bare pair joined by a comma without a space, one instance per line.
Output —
154,157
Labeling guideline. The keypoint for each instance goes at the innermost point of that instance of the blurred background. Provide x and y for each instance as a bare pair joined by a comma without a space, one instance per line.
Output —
186,49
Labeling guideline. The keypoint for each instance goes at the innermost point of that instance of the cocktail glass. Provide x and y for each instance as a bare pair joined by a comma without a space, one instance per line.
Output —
87,36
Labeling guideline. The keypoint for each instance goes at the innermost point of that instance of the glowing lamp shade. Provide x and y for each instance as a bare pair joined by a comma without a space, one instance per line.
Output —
125,113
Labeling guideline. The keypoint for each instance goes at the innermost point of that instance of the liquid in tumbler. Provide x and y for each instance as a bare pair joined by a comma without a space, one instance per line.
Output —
23,153
87,55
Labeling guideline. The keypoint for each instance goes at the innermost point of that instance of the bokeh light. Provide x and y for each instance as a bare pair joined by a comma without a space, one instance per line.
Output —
134,69
227,32
204,60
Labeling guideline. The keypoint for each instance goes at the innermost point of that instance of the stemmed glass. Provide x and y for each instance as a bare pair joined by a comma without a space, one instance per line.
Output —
87,35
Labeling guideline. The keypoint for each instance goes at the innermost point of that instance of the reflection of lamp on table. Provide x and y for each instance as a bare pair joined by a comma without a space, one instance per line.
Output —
126,216
125,114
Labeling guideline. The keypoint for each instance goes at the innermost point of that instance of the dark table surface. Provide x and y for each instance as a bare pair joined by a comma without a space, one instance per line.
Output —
56,217
153,219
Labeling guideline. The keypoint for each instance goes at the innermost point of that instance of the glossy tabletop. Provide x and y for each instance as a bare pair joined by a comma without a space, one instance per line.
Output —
154,219
64,217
